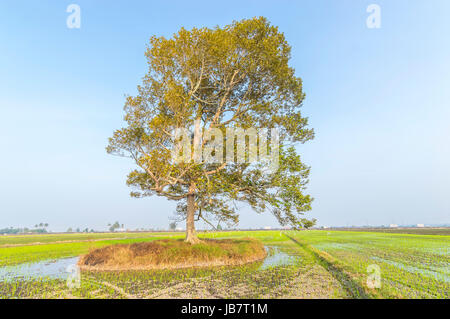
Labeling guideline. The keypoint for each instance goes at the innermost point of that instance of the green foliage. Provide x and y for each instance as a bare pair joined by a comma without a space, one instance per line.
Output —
309,223
237,76
114,226
172,225
11,230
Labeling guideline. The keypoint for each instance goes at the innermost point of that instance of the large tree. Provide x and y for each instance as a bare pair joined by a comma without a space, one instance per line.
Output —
237,76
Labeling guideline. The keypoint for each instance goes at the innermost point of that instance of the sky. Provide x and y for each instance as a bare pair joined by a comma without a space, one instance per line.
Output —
378,99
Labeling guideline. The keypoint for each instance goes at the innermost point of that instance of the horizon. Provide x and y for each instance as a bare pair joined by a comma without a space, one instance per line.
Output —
376,98
48,230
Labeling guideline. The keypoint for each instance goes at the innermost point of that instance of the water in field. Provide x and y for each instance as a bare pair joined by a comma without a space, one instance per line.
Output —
60,268
440,274
275,257
56,269
340,246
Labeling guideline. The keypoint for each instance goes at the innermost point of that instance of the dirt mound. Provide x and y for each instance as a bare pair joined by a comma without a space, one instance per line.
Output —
170,254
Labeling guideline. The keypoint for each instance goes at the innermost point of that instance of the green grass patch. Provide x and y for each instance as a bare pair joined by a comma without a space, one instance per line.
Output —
34,253
411,266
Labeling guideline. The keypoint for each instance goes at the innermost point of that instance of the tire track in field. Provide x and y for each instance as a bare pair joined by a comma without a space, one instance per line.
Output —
352,288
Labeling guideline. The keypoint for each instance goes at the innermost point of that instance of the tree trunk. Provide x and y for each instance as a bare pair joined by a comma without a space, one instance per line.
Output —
191,236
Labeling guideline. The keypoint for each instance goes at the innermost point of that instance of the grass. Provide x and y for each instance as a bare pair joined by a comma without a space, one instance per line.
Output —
323,264
303,278
161,254
14,255
412,231
411,266
18,240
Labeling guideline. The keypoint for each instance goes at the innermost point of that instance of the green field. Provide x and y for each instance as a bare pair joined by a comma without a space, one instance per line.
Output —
304,264
412,230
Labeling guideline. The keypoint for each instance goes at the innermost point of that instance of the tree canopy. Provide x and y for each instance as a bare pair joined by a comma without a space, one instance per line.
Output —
210,80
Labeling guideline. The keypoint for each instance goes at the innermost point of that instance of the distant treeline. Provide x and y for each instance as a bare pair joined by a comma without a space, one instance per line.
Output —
12,230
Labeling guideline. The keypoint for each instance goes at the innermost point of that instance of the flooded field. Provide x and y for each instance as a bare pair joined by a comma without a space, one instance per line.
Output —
54,269
276,257
306,264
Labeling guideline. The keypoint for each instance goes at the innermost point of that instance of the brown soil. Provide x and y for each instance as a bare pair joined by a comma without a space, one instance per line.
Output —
172,254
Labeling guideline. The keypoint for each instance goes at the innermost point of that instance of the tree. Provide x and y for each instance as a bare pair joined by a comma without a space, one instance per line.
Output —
69,230
213,80
309,223
114,226
172,226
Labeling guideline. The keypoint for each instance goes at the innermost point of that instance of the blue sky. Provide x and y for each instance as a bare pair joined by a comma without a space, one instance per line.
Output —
377,98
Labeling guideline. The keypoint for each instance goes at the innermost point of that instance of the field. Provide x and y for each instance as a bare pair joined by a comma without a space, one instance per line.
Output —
300,264
414,231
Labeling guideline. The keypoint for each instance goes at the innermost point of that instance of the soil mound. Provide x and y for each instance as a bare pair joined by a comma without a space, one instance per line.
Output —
171,254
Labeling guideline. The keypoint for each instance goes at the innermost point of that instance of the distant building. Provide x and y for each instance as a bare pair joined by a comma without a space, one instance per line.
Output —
178,229
420,225
325,227
393,226
267,227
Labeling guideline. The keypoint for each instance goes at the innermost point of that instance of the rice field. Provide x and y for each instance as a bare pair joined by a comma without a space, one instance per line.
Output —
300,264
